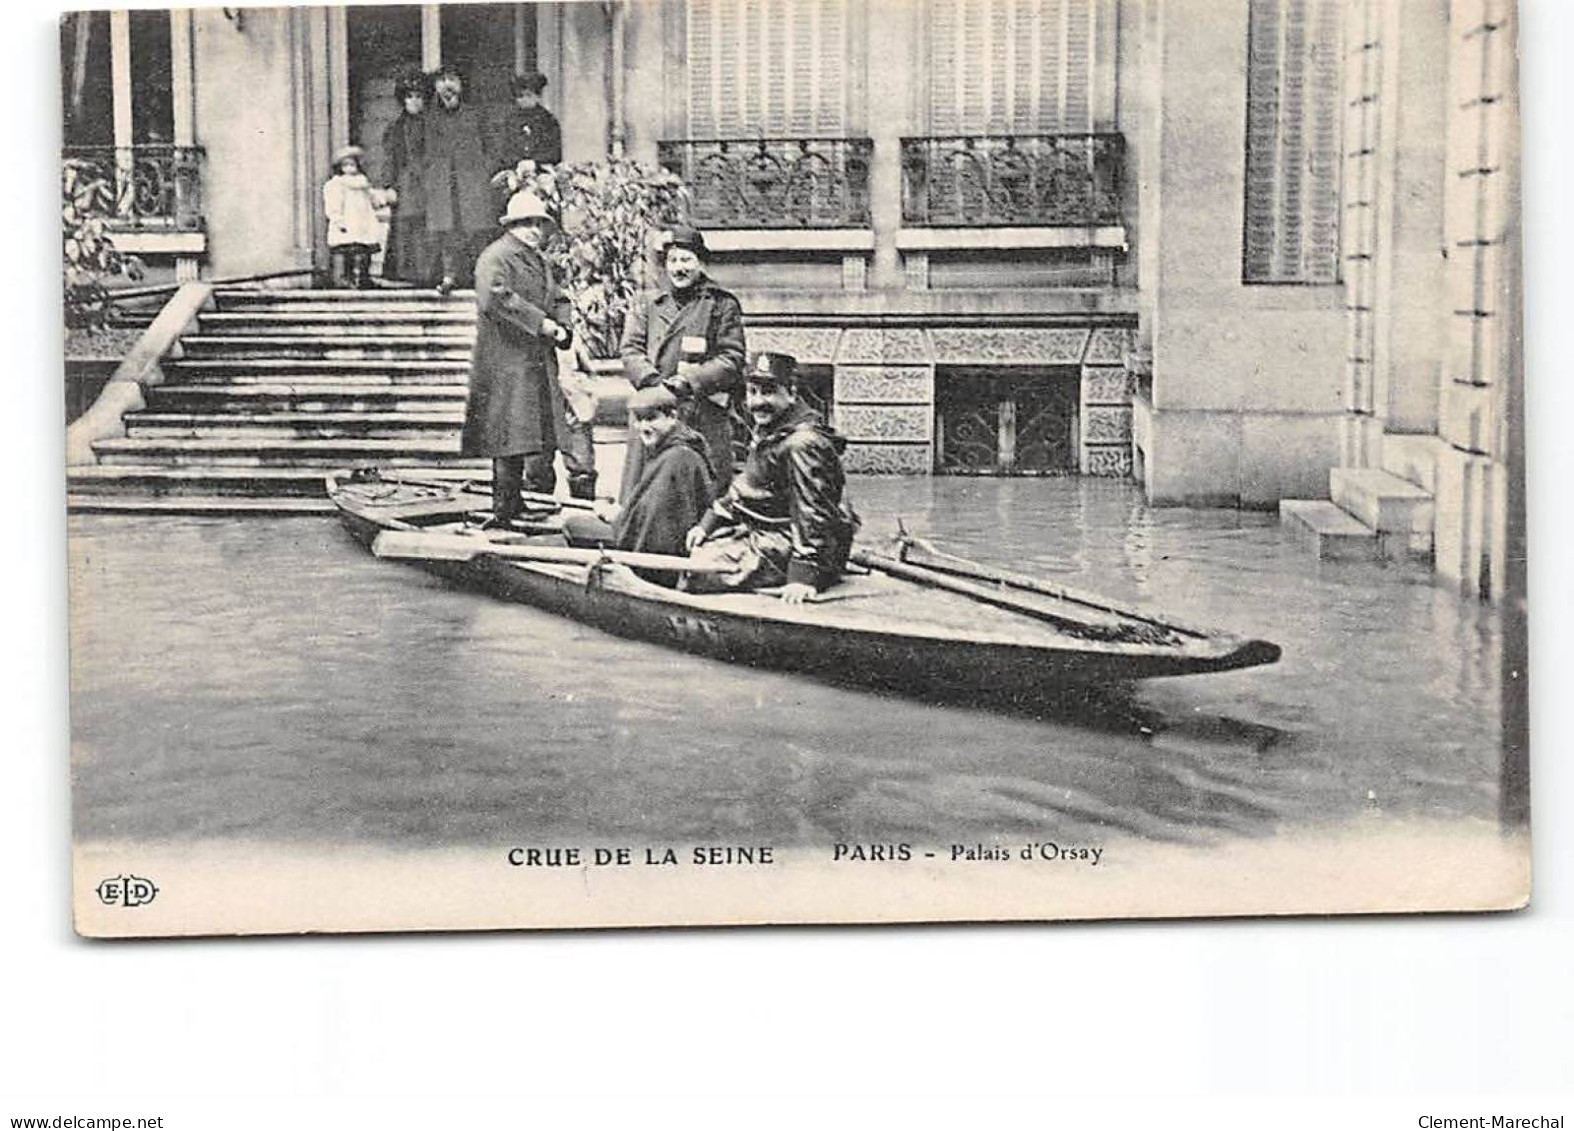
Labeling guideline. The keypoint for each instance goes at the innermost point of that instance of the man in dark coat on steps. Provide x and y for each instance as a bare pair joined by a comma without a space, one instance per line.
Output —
456,166
515,407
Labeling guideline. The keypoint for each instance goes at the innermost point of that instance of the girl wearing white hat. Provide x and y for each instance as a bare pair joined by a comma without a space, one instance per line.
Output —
353,231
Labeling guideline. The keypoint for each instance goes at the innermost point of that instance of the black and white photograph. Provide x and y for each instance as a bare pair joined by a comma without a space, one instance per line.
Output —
648,463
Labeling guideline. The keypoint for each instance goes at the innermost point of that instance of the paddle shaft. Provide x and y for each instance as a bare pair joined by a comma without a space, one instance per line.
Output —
431,546
982,593
951,564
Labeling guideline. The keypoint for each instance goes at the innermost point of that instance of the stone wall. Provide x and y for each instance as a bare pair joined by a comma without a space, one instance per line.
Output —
1481,202
884,382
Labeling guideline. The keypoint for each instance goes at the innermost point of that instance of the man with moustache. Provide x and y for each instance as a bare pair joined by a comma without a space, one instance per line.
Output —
783,520
456,168
514,408
689,338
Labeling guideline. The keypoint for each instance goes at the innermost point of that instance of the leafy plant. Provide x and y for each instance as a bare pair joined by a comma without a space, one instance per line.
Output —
611,214
88,255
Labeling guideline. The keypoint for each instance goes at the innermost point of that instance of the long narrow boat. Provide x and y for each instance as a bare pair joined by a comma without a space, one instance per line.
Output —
912,620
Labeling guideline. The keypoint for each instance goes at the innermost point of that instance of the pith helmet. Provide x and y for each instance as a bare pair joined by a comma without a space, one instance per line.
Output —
769,368
525,208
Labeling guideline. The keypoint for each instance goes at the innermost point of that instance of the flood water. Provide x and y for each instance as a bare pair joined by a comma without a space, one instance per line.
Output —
268,679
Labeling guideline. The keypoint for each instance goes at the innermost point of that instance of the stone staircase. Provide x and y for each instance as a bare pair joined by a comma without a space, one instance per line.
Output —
276,388
1372,513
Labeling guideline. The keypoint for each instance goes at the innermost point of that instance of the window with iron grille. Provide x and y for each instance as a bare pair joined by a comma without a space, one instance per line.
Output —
1291,228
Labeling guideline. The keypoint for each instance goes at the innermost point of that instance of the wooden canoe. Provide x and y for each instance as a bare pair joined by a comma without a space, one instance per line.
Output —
910,619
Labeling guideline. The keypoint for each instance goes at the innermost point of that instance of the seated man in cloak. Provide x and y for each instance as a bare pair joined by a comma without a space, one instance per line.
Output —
783,521
670,493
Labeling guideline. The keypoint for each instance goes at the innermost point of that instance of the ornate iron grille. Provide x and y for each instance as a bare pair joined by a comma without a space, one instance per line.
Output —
774,182
1016,425
1037,180
156,187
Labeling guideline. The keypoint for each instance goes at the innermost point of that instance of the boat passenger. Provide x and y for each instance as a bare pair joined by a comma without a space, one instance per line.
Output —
783,520
672,492
688,337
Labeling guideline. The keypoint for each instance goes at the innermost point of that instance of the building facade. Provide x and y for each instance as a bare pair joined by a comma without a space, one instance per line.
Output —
1225,247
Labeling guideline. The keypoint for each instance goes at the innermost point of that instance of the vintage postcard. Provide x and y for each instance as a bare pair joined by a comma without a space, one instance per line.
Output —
665,462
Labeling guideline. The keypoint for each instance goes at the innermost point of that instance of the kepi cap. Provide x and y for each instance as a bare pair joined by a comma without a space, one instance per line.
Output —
770,368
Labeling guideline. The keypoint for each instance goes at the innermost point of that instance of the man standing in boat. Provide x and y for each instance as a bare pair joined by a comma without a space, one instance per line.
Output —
523,317
689,338
783,520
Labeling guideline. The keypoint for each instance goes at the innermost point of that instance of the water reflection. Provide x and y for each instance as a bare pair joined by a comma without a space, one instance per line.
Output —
271,679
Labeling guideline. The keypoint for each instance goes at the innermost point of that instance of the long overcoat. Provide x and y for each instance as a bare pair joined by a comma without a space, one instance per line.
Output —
652,347
457,169
407,254
515,405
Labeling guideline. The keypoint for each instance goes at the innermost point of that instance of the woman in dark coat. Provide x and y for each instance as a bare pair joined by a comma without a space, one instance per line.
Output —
408,257
515,408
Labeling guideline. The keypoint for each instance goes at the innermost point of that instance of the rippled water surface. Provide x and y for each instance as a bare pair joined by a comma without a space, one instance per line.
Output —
269,679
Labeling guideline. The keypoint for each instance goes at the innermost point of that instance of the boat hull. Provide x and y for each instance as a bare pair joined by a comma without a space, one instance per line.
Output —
904,661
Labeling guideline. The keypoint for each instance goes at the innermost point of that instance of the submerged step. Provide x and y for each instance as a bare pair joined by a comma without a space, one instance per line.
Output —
215,505
1332,534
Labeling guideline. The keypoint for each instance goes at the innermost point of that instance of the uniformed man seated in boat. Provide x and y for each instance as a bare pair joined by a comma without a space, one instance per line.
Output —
667,498
783,521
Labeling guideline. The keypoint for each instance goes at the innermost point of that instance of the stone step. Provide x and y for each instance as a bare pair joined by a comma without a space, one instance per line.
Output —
274,426
305,397
215,505
1330,533
207,371
1413,458
324,454
1381,500
254,301
358,347
335,323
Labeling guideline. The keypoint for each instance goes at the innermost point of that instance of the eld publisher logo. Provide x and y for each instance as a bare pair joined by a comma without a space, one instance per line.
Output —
127,891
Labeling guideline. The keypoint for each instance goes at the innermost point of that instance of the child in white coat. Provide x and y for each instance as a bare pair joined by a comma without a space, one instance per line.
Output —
353,230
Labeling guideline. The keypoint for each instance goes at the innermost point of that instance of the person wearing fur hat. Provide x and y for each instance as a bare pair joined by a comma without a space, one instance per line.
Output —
530,132
514,411
671,494
688,337
783,520
353,231
408,256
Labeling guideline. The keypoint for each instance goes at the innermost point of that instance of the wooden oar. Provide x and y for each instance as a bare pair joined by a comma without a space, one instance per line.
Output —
1102,629
942,562
429,546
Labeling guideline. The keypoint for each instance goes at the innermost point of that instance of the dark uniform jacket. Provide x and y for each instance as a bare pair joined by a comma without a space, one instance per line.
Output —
529,135
792,484
515,405
671,495
652,346
456,171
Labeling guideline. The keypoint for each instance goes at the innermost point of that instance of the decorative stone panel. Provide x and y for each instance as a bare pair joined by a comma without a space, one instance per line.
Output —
888,459
1106,384
1009,346
811,345
1107,462
884,384
871,347
1106,425
1108,346
884,422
